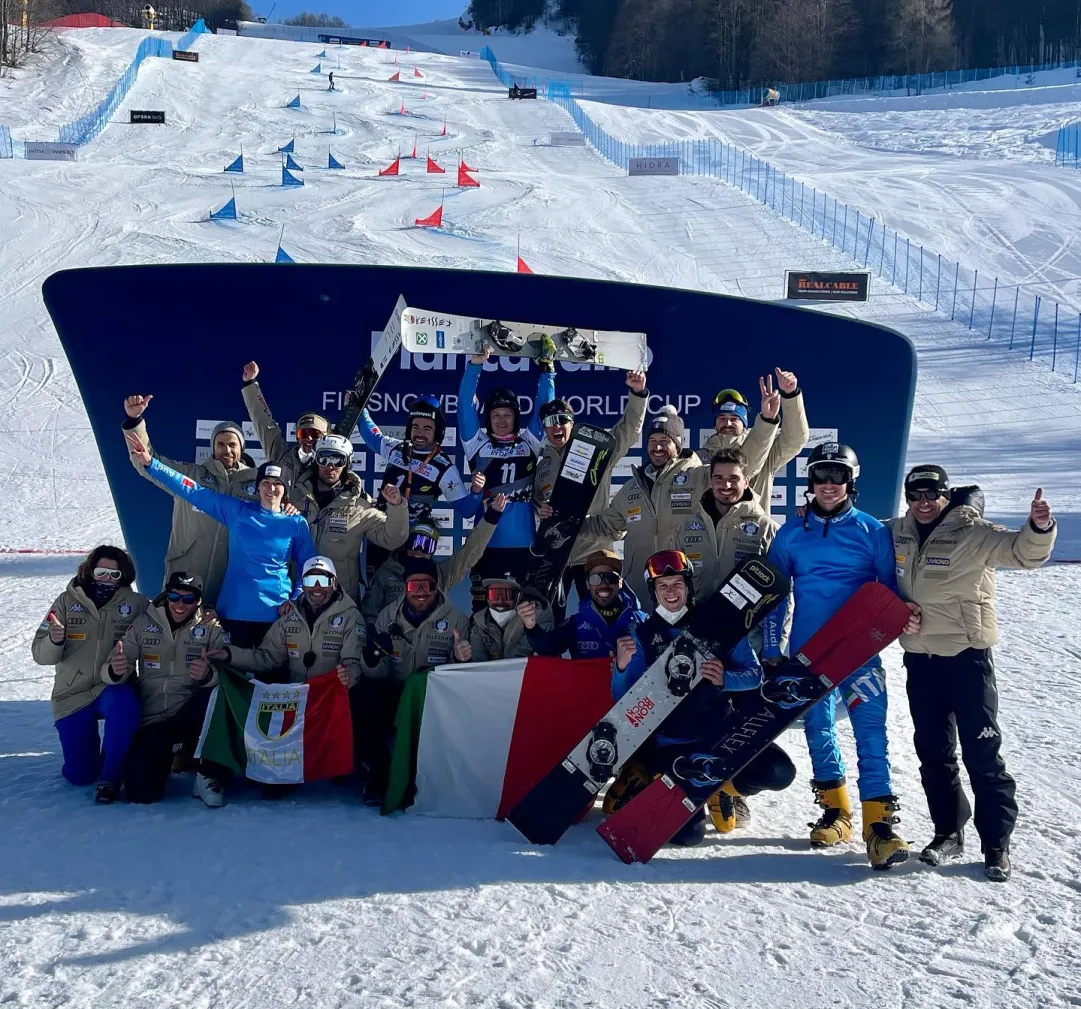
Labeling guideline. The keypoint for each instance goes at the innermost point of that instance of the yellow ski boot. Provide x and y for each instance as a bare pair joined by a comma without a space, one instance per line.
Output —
722,808
834,826
884,848
631,780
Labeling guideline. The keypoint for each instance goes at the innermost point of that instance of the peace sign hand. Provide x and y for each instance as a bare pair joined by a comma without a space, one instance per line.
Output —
771,398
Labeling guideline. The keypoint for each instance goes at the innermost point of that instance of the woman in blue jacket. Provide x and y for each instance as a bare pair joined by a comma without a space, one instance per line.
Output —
263,540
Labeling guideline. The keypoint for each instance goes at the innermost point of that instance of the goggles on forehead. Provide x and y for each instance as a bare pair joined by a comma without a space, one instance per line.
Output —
558,419
423,542
317,580
328,457
187,598
111,573
729,396
422,584
596,578
667,562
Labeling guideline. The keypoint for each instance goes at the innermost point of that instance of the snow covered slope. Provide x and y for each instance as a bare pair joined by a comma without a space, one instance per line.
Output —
317,901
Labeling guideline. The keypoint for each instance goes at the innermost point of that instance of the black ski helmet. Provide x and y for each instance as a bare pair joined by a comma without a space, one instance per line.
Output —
669,562
501,397
426,406
835,454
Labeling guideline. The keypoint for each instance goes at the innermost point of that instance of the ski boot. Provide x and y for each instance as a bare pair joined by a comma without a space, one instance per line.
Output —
106,793
209,790
722,808
834,826
944,848
996,864
743,812
884,848
632,780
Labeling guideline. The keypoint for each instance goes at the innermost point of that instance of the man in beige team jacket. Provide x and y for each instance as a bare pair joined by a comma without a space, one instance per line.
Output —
946,556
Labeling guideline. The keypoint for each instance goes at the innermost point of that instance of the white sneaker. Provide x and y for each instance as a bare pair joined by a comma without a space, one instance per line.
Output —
209,790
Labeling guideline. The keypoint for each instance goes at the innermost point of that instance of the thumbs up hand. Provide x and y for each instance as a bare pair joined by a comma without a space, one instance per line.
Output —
463,650
57,631
118,661
200,666
1040,512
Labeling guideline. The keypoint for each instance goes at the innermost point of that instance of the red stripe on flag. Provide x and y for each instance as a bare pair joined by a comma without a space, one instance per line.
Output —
560,702
328,729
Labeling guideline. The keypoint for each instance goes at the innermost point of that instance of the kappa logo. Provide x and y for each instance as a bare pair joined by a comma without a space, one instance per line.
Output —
987,733
695,527
275,719
152,629
77,608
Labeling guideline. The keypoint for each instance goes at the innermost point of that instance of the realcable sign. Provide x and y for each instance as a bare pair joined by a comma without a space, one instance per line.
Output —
147,116
653,166
185,57
47,151
568,140
828,286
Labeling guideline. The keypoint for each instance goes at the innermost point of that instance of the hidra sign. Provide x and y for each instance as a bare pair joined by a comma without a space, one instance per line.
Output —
653,166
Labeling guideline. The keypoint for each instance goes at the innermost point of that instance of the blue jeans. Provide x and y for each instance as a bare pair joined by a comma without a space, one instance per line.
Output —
864,694
88,756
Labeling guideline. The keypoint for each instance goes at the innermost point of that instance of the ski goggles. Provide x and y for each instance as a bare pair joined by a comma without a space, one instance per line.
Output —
729,396
422,542
187,598
113,574
505,596
317,580
830,473
330,459
423,584
933,494
667,562
558,419
310,433
595,578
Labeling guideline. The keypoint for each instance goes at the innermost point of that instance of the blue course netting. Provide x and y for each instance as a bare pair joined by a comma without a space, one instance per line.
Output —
1010,316
1068,149
5,143
670,98
86,127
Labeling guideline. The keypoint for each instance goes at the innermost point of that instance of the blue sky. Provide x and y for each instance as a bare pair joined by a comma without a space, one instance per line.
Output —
366,13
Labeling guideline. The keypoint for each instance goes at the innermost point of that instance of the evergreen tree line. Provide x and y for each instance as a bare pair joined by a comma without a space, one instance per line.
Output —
742,43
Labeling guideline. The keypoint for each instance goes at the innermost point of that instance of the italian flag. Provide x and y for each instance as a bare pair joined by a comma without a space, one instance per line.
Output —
279,733
477,737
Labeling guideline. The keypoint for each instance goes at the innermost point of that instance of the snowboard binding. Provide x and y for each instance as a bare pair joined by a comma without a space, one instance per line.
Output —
602,751
679,670
579,346
790,690
503,338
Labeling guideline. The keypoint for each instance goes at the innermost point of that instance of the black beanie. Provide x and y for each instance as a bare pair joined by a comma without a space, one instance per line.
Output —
928,478
668,422
413,567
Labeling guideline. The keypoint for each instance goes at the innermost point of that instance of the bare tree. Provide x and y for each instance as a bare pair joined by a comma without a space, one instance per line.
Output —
923,33
798,40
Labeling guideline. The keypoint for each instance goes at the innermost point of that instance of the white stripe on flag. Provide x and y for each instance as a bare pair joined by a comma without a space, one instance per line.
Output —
273,757
465,734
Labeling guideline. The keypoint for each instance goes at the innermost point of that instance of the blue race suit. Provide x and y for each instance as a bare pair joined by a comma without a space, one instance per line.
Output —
261,545
828,558
508,467
587,635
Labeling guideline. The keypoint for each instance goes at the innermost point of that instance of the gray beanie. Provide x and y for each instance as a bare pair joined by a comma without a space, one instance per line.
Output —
668,422
227,426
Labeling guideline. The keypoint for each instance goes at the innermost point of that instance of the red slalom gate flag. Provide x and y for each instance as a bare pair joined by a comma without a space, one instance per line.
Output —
401,108
466,168
397,76
434,169
523,266
444,133
414,154
432,220
465,180
392,169
417,73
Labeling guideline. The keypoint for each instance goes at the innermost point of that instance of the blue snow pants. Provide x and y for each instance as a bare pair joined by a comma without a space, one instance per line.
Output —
88,757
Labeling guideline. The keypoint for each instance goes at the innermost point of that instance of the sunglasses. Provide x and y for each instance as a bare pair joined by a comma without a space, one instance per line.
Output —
503,594
111,573
667,562
729,396
829,474
187,598
329,459
923,495
595,578
419,585
558,419
313,433
317,581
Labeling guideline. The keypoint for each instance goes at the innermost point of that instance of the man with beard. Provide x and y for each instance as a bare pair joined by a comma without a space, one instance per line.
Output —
557,418
165,655
774,440
604,622
197,544
310,427
497,631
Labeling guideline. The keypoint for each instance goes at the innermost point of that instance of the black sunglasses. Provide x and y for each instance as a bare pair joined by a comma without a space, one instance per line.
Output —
923,495
187,598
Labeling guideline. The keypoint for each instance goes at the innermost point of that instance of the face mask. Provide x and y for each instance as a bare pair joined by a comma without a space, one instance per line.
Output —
101,592
669,616
501,617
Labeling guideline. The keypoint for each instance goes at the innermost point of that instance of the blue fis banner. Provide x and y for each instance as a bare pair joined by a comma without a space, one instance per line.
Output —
311,327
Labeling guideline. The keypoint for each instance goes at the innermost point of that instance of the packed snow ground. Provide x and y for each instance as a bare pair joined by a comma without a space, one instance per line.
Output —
316,900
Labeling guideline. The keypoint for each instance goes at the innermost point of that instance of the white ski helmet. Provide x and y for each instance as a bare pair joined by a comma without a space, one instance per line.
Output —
333,446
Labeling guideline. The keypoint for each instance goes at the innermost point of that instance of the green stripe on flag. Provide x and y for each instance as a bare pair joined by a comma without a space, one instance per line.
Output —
401,786
222,740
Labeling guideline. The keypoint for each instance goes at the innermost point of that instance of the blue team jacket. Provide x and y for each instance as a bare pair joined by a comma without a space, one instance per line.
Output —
517,527
261,545
587,635
827,559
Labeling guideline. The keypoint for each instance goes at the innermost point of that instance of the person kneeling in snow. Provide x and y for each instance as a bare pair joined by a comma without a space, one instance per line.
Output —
165,656
669,576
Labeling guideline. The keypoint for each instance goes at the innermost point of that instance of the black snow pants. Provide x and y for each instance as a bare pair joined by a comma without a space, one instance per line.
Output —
954,698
